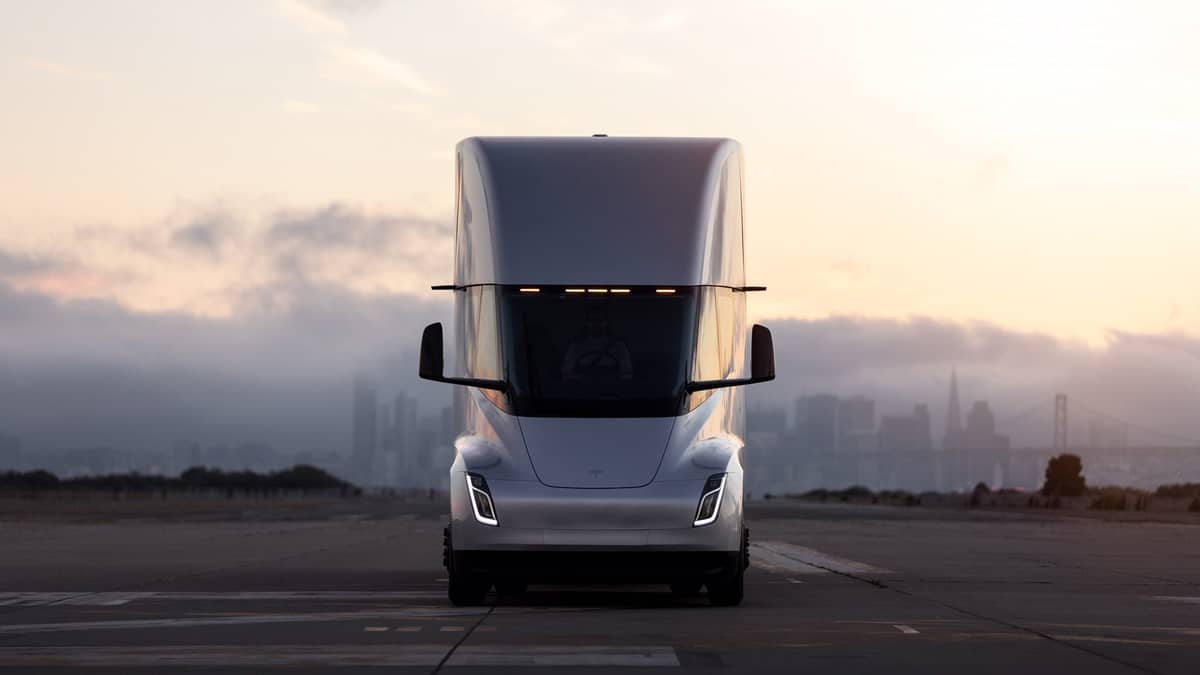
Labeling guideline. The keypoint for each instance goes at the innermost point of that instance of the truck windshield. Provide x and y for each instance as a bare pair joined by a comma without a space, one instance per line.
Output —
592,352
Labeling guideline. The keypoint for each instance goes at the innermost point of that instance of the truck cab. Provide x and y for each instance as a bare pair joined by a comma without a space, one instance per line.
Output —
599,346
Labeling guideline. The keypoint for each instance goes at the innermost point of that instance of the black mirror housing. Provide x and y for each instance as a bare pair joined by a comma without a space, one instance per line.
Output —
762,354
431,365
432,359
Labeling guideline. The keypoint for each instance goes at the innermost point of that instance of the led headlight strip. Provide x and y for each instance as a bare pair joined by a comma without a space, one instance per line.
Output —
481,499
710,500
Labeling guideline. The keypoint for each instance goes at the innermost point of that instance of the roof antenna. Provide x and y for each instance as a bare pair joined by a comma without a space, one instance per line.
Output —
599,135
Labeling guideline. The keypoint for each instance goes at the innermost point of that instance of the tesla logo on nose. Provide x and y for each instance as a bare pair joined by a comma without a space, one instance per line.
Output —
595,473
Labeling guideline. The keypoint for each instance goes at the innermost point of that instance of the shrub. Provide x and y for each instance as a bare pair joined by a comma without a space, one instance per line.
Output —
299,477
1179,490
1064,477
1110,501
981,490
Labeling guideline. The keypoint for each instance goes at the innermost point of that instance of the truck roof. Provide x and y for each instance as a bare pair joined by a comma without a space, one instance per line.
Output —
595,210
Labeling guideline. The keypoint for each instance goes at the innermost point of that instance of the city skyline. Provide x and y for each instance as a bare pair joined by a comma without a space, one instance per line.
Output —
390,444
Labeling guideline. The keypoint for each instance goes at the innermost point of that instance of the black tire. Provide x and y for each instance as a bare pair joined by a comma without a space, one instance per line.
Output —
728,590
686,588
464,588
511,588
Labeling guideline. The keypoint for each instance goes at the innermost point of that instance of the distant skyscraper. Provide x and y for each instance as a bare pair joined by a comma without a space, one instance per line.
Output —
366,427
906,433
856,424
980,433
954,425
800,421
924,431
821,422
762,418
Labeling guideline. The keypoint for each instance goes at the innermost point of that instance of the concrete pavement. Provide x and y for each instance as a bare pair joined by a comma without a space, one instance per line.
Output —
846,589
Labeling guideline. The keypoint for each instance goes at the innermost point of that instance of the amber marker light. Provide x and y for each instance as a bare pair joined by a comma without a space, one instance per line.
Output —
575,290
618,290
664,291
530,290
597,290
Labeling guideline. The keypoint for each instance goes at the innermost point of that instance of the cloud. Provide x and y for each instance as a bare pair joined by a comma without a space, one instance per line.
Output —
374,66
293,105
342,242
206,236
344,226
278,368
64,70
14,265
278,371
208,258
347,7
311,18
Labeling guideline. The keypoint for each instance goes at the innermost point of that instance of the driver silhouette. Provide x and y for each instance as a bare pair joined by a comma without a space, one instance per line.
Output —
596,352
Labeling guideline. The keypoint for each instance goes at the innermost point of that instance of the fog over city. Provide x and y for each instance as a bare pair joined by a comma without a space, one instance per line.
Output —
278,369
283,308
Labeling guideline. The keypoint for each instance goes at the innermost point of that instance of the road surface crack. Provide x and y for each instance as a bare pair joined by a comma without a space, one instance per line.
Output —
466,634
1000,622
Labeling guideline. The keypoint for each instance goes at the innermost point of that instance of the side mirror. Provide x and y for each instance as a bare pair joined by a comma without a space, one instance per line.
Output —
432,362
762,363
762,354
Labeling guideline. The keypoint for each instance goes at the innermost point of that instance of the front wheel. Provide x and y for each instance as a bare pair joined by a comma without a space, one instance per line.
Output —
511,588
727,591
464,588
685,588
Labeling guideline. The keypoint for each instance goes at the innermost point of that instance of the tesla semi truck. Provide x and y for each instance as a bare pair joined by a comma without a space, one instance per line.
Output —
599,342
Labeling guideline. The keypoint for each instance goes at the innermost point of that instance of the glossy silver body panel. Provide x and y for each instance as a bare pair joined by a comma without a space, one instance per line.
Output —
597,211
616,453
608,211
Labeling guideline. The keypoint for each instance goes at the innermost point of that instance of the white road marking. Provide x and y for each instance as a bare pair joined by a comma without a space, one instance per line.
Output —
408,629
507,655
907,630
781,556
334,655
375,629
110,599
794,581
224,656
452,629
774,562
1191,600
246,619
1114,640
35,599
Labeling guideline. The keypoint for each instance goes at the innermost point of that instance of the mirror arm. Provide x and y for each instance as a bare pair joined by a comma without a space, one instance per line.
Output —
704,385
497,385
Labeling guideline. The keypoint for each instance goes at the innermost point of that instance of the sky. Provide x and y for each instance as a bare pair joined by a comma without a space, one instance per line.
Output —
234,169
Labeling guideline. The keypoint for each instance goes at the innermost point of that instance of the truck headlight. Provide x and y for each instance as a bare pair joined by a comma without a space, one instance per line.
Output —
710,500
481,499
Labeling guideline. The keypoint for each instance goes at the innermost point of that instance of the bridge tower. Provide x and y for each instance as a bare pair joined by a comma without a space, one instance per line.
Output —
1060,423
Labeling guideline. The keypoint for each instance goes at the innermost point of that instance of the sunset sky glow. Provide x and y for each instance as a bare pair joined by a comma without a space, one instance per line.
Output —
1031,164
